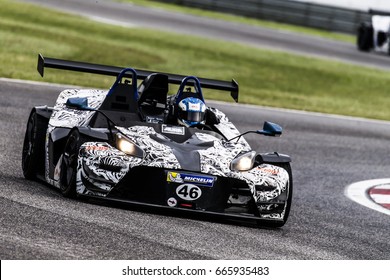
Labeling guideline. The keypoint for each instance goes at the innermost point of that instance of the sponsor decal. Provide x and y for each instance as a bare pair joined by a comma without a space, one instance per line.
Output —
269,170
154,119
172,202
96,148
176,177
198,179
194,107
177,130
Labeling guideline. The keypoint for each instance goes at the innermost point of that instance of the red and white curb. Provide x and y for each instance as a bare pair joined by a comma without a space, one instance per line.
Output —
381,195
374,194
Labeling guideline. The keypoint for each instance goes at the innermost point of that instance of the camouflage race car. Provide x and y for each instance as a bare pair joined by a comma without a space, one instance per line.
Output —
124,145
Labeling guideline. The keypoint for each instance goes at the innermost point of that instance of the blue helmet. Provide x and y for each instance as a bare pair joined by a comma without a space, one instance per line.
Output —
191,112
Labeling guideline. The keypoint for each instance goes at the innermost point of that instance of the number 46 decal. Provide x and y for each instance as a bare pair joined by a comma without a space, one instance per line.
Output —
188,192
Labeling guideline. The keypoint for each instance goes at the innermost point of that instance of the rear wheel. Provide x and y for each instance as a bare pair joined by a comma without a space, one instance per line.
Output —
69,164
33,153
365,37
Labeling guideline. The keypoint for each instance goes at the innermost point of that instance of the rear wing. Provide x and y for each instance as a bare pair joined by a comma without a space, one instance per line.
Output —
46,62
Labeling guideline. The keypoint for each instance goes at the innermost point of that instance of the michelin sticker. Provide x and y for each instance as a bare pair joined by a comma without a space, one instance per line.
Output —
176,177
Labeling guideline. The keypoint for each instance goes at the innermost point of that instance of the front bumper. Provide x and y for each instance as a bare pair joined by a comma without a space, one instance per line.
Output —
105,172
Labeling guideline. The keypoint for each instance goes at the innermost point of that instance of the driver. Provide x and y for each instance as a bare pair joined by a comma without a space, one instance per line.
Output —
191,112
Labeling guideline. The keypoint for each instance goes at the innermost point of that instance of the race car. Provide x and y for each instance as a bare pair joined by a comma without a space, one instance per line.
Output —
375,35
141,145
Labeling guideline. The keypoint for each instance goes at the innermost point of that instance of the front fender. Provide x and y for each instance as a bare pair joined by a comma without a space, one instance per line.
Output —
44,112
271,158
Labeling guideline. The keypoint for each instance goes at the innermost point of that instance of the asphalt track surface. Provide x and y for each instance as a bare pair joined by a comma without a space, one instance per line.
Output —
328,154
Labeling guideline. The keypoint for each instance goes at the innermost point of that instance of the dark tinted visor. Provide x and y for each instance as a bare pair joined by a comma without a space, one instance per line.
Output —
192,116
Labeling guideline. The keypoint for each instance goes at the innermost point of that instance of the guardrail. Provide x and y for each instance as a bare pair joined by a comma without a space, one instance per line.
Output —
297,13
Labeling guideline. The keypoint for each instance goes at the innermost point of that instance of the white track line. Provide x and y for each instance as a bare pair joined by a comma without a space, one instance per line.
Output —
112,21
28,82
358,192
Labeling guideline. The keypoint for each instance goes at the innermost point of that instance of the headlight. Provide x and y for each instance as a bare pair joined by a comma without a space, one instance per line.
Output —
243,162
128,147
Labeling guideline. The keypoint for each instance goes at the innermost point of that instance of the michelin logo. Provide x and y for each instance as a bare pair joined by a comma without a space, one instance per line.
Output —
208,181
188,178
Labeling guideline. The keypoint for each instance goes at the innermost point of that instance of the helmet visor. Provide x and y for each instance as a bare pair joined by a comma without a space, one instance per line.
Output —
192,116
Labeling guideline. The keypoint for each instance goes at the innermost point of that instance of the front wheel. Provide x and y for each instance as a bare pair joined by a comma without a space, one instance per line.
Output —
69,164
287,167
287,206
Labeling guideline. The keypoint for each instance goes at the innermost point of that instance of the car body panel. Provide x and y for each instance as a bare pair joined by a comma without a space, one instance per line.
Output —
168,165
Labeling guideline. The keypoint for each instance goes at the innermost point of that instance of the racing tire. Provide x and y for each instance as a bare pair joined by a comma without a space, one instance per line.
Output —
33,151
68,172
365,37
276,224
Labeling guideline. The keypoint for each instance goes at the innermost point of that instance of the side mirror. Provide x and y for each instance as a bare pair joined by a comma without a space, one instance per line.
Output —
78,103
270,129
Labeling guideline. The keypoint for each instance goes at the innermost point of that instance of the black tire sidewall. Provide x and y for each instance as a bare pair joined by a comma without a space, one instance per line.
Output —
32,163
68,187
365,37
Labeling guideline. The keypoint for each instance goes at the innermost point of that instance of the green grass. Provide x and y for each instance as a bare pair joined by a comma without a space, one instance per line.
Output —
246,20
265,77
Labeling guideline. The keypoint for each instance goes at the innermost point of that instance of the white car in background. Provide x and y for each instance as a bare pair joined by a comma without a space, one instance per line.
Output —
375,35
